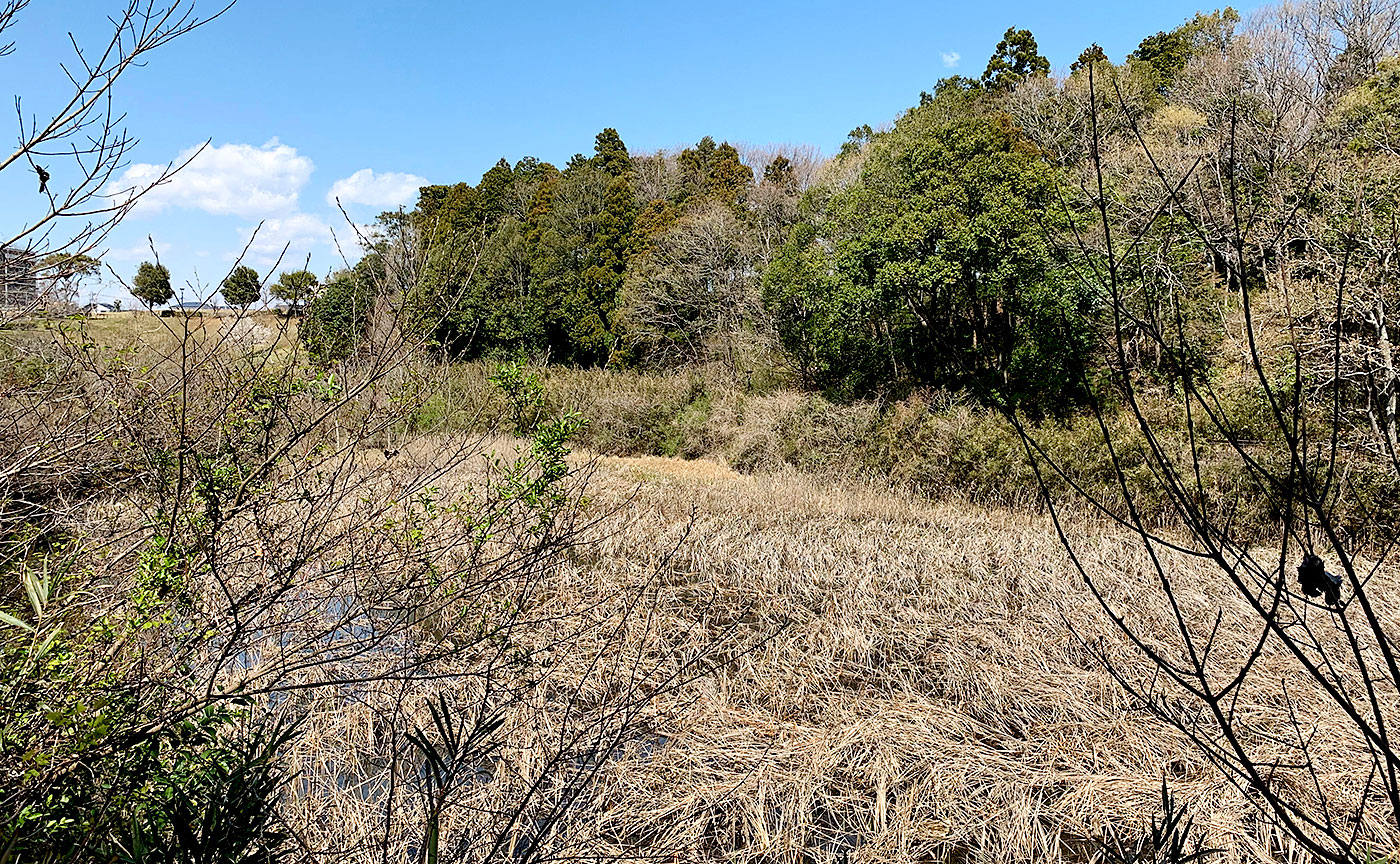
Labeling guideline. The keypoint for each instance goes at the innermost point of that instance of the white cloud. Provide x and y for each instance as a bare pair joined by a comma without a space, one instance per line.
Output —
389,189
298,233
236,179
950,59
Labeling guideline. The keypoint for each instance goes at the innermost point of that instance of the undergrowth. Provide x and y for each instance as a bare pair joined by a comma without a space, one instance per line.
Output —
930,443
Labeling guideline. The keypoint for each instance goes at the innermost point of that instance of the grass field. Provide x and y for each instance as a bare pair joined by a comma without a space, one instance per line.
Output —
155,332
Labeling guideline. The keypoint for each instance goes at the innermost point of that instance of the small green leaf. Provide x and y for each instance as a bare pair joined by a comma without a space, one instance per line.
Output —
15,622
48,643
31,587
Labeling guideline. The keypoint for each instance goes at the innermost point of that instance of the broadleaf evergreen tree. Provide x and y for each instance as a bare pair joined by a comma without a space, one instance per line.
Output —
152,284
242,287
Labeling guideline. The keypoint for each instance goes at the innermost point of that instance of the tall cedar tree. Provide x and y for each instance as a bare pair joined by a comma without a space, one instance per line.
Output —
779,173
710,170
611,153
1017,58
591,308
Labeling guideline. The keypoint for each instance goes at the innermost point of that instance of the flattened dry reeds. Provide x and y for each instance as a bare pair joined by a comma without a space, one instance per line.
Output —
890,680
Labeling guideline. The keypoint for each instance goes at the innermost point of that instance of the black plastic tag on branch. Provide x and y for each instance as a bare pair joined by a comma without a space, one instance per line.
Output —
1315,581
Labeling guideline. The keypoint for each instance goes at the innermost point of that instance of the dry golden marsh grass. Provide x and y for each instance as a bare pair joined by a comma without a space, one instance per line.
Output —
912,685
886,677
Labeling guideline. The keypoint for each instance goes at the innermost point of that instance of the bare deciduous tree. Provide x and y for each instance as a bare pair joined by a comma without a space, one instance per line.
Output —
1254,199
76,146
697,289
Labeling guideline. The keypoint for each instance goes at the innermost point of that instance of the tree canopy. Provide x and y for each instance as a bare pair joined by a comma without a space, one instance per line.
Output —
152,284
928,252
1017,57
242,287
295,287
935,268
68,270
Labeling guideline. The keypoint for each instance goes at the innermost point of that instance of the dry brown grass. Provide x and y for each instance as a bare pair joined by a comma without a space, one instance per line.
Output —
908,689
925,697
906,682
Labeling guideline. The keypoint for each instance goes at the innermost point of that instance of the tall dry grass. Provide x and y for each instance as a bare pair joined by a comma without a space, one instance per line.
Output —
913,684
805,662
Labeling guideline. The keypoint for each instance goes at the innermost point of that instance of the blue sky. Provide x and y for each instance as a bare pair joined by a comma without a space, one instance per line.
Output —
369,99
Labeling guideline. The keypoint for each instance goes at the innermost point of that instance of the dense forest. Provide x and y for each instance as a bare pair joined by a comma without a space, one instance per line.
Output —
938,250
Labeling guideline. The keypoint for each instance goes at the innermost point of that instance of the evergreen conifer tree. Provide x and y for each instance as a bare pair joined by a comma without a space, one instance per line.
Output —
1017,58
611,153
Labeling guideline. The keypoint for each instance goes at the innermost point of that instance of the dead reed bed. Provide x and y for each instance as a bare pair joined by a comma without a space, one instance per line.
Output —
886,679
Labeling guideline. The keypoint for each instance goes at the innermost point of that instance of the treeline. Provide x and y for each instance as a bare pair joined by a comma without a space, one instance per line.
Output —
617,259
945,250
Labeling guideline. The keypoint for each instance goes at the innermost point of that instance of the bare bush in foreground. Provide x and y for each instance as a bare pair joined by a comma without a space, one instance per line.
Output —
1309,744
76,145
212,543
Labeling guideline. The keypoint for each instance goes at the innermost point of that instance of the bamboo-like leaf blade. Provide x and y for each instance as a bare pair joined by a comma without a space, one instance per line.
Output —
15,622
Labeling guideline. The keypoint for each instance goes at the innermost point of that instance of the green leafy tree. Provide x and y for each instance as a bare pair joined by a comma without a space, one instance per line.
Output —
152,284
652,220
295,287
578,241
493,195
338,316
856,140
694,163
444,212
955,84
478,290
447,217
1017,57
779,173
710,170
67,271
1162,57
935,269
1092,54
729,179
242,287
498,309
800,292
589,308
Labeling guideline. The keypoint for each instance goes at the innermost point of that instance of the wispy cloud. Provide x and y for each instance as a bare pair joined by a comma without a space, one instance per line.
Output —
298,233
950,59
138,252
